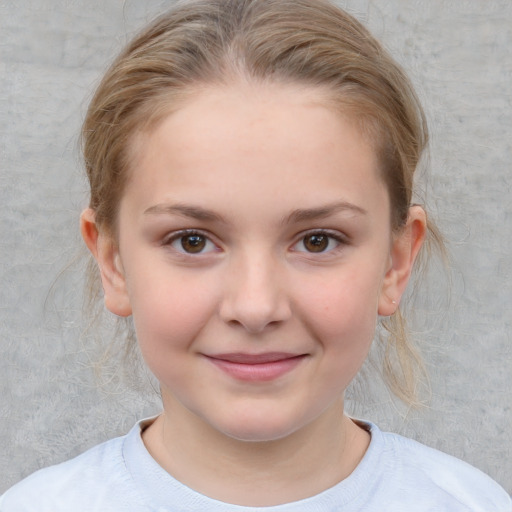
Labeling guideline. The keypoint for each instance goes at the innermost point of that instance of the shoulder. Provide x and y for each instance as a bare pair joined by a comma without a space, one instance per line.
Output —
438,477
80,484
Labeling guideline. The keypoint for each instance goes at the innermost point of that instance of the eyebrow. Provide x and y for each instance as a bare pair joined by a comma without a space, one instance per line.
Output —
322,212
299,215
194,212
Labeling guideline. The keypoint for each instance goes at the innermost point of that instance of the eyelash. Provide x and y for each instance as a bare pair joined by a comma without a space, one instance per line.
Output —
207,241
338,238
189,233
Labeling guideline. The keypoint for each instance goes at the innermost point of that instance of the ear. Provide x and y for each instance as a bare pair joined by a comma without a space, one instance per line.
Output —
405,247
106,253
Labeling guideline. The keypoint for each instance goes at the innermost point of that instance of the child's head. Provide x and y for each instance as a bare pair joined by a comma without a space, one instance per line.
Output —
219,42
285,54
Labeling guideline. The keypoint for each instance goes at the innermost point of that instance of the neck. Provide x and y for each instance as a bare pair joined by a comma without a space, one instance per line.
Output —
300,465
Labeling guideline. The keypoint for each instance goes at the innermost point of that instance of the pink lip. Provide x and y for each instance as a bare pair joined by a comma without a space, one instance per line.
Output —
256,367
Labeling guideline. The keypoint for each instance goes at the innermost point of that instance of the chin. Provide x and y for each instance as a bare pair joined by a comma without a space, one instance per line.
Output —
259,429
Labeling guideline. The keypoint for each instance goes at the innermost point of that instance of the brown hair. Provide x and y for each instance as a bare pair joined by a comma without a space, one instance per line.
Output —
309,42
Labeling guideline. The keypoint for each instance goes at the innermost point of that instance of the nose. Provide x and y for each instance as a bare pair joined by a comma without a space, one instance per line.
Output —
255,295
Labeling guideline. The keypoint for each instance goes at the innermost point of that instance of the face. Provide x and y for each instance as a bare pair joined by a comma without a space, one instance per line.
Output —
255,253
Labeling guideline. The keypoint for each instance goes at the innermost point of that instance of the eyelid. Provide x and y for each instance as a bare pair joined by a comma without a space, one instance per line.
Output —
338,236
333,233
172,237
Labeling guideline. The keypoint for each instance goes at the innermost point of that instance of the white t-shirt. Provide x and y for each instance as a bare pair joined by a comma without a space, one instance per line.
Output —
396,474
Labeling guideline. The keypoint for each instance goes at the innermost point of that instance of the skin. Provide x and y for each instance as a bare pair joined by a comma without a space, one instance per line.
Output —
257,172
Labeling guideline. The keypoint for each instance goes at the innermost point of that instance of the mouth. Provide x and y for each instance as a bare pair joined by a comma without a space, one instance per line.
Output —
256,367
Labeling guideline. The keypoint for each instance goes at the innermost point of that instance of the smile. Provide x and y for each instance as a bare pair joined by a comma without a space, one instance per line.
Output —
256,367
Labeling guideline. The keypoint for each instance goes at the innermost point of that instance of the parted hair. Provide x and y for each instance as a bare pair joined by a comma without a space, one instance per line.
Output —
202,43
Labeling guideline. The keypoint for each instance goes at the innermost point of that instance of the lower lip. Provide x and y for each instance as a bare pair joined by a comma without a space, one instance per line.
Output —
259,372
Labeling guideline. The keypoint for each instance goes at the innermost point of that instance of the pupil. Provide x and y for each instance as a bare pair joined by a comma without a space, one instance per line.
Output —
316,243
193,243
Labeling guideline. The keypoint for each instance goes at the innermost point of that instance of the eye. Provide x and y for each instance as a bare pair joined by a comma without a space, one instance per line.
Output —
318,242
191,243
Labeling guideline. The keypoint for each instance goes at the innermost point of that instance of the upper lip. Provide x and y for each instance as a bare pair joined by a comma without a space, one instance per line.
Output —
244,358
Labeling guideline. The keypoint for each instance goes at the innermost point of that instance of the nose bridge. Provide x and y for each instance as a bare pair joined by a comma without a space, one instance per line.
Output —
255,296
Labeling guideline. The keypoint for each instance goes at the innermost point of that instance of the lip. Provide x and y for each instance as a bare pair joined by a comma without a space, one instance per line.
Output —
256,367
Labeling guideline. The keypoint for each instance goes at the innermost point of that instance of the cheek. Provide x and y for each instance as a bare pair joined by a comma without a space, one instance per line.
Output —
167,324
169,312
342,317
344,306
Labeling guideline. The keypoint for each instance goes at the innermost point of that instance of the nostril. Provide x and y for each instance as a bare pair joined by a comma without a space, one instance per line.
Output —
254,322
255,317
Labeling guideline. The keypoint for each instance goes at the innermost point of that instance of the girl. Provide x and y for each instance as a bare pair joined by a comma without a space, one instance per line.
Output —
251,166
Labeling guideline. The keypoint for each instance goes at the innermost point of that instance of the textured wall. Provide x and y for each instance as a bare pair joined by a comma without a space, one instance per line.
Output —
52,52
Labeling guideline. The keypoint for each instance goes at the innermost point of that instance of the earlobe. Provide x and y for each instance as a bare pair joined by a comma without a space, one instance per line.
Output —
106,253
405,248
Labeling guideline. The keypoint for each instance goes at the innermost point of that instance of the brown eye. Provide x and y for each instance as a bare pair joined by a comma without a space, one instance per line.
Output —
193,243
316,242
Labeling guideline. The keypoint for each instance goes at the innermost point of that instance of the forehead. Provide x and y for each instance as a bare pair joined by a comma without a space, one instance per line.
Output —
282,141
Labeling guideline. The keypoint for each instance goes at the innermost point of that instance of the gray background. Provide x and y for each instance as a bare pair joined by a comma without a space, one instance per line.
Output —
52,53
